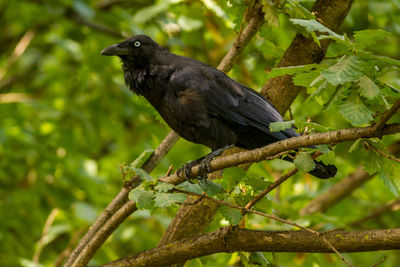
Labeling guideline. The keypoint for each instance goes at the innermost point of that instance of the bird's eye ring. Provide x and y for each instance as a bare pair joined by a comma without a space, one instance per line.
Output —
136,44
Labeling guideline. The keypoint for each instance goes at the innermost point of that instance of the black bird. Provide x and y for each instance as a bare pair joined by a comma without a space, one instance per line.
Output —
200,103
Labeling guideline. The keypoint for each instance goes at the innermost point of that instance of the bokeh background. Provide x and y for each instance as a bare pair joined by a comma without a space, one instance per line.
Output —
67,121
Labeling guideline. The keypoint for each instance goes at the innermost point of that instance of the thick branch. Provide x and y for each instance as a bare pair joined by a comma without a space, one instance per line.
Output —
280,90
228,240
259,154
120,198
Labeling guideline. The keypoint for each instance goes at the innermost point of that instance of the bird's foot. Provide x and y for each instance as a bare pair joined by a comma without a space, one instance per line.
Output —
186,170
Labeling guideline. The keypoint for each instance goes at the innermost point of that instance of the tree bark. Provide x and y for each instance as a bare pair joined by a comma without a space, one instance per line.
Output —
280,90
229,240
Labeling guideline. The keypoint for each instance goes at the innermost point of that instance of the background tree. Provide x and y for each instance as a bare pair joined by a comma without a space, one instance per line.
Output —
68,123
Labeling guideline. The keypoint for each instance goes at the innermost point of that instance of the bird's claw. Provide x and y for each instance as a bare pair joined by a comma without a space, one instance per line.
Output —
204,168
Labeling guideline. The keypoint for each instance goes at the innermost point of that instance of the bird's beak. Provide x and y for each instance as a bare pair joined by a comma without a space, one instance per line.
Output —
115,50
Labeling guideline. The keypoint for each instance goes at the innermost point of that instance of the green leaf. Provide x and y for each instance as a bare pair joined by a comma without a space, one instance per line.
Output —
314,26
291,70
388,182
190,187
366,38
368,88
323,148
210,187
316,126
305,79
356,146
139,161
304,162
280,125
256,182
233,216
327,158
164,187
347,69
232,176
259,259
270,13
164,200
356,112
141,173
144,199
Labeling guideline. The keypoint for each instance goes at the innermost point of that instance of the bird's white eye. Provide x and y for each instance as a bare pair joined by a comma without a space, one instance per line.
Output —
137,44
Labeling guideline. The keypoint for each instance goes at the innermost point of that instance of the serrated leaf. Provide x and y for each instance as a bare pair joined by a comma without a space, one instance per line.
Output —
187,186
210,187
366,38
291,70
314,26
323,148
371,165
270,13
356,112
280,125
141,173
231,177
356,146
368,88
259,259
305,79
143,199
327,158
389,170
347,69
256,182
139,161
233,216
304,162
164,200
164,187
388,182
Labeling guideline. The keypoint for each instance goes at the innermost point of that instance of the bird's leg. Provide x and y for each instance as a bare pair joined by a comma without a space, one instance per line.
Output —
204,164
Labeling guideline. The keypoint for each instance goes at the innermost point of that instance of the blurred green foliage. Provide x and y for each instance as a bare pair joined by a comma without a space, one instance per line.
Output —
68,121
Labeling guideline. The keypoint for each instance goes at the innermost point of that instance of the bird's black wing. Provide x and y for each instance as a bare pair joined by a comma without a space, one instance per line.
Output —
230,101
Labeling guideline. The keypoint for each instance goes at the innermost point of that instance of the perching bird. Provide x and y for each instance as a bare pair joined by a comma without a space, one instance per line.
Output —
200,103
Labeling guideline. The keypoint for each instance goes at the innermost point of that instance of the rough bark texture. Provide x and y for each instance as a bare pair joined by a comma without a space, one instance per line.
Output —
260,154
229,240
280,90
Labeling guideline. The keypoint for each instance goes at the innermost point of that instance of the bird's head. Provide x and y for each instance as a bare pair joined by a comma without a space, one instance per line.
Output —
137,51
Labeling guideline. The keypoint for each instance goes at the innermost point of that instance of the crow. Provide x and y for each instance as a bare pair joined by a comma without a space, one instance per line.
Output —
200,103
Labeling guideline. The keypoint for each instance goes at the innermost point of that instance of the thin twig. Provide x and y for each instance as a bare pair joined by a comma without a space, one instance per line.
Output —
386,116
271,187
377,150
46,227
272,217
122,196
379,262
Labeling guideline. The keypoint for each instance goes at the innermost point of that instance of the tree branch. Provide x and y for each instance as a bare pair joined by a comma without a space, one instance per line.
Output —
280,90
196,214
387,115
391,206
122,197
259,154
229,240
343,188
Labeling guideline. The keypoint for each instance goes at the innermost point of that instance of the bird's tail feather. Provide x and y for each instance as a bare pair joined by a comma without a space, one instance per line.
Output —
323,171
